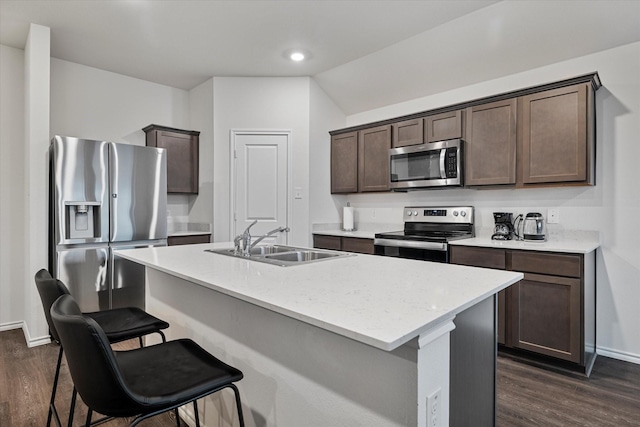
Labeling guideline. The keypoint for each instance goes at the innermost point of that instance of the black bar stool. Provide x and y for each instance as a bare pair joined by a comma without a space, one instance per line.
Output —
118,325
143,382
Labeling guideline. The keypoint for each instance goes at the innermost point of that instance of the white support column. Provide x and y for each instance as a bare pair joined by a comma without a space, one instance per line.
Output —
433,371
37,92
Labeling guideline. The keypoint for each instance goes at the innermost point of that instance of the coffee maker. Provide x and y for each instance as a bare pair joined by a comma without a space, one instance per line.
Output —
503,229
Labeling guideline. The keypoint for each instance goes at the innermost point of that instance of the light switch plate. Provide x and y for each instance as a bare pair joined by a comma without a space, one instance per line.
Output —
553,216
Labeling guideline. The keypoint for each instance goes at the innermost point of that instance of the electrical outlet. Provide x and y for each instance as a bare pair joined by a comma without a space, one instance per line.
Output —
433,409
553,216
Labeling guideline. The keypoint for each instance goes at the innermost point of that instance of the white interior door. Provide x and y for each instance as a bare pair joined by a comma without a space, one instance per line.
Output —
261,183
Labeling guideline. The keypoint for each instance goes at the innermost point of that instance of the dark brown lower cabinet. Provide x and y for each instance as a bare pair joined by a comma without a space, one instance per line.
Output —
348,244
189,239
546,317
551,312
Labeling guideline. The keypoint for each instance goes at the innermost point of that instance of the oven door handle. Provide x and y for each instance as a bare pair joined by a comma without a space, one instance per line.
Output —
436,246
443,157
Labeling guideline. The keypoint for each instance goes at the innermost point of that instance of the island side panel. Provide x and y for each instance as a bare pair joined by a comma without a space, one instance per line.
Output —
295,374
473,366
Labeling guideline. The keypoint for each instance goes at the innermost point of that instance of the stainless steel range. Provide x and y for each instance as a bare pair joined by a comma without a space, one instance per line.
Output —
427,233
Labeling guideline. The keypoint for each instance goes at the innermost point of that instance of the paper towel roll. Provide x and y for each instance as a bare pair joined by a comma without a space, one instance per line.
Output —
347,218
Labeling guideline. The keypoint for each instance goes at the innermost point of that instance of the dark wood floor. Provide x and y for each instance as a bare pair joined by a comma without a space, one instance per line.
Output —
527,396
530,396
26,377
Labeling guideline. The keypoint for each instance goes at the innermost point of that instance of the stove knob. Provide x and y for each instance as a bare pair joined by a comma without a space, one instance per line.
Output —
415,213
463,213
455,213
408,213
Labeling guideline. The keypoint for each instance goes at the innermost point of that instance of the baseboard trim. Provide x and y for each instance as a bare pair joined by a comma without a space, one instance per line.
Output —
11,325
620,355
31,342
186,413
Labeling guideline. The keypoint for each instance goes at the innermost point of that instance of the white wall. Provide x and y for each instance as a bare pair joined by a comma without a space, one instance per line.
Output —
201,118
247,103
90,103
36,140
324,115
11,187
612,206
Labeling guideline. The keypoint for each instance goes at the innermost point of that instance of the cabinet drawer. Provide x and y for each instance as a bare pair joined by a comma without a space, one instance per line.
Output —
188,240
478,257
353,244
326,242
545,263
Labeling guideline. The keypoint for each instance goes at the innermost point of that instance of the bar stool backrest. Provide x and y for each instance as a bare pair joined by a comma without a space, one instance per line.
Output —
50,290
91,361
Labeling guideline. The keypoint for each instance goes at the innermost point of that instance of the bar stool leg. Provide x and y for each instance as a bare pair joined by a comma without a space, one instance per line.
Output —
238,404
195,409
175,411
52,404
88,421
72,409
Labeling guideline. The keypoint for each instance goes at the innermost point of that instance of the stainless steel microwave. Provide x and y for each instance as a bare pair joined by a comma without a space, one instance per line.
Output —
435,164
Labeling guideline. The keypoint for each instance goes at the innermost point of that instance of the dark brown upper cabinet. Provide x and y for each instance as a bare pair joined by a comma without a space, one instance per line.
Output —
533,137
443,126
437,127
360,160
344,163
555,136
182,156
373,159
408,132
490,146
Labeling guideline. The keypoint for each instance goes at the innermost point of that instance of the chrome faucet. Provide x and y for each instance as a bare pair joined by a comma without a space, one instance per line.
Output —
242,242
274,231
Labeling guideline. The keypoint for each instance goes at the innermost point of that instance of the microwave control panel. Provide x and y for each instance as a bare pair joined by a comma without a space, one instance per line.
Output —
452,162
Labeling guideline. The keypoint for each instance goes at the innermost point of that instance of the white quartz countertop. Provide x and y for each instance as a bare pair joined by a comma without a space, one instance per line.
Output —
363,230
381,301
568,241
364,234
575,241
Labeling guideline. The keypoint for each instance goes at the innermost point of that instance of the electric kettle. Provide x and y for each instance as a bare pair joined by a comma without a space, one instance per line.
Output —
533,228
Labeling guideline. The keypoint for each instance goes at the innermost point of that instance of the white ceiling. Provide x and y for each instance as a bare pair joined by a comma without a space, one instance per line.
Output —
364,54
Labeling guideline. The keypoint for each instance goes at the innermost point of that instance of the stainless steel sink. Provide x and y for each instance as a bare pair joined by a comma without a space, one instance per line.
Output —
301,256
284,256
258,250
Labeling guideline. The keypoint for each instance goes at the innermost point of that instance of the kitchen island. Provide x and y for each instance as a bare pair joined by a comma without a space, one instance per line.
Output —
351,341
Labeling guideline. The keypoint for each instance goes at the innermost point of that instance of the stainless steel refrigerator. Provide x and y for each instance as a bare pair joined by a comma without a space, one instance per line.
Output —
104,197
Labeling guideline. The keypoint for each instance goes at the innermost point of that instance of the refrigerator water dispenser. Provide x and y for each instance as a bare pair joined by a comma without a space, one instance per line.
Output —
83,220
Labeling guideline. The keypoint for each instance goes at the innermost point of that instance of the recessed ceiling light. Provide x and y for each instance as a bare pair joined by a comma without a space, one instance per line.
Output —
297,54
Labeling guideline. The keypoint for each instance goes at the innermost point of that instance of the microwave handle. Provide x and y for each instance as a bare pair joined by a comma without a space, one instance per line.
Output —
443,155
